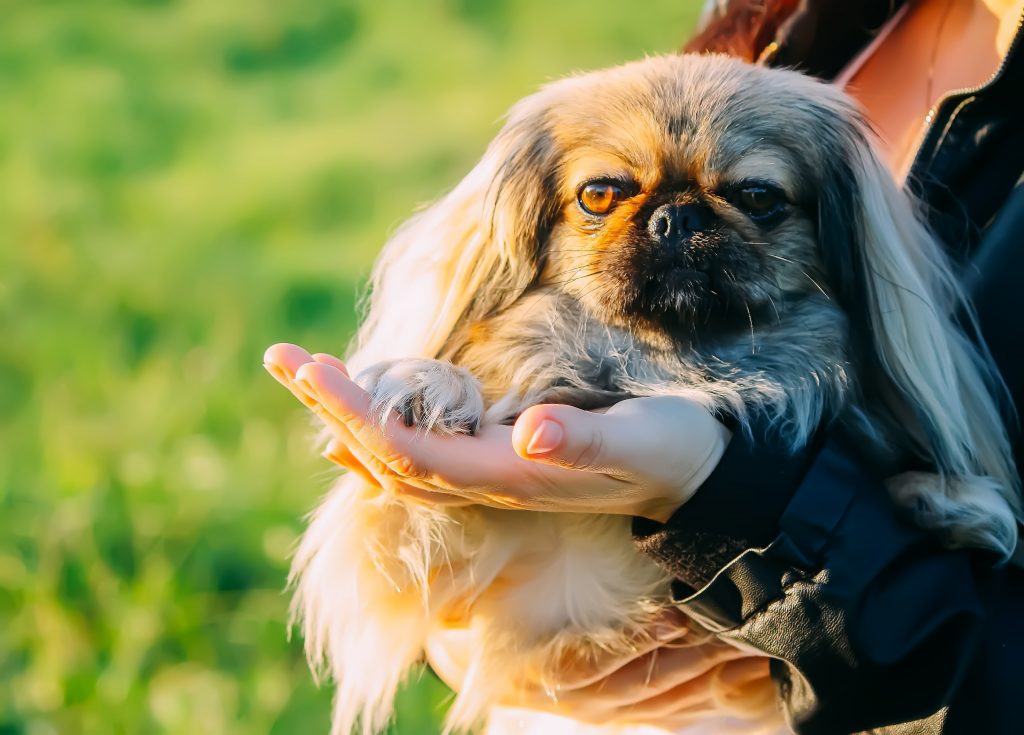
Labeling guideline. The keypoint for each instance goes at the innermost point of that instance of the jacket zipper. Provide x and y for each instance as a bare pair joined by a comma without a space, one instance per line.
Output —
931,118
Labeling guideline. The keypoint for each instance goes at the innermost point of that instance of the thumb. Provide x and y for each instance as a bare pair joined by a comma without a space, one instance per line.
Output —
668,439
568,437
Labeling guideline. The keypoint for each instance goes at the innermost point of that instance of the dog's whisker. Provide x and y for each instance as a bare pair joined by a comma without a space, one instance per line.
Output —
574,278
570,269
575,250
816,284
587,293
652,664
778,317
583,277
750,318
572,275
806,274
542,294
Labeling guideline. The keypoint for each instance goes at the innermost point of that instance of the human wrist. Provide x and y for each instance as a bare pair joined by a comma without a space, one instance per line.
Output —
738,507
663,507
720,437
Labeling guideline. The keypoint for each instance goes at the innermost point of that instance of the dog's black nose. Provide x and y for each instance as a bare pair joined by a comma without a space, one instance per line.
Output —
671,223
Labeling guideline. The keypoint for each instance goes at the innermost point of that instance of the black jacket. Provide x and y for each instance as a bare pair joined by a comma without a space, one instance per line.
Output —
872,624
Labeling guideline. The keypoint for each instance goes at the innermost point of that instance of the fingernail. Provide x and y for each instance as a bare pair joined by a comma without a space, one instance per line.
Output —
547,437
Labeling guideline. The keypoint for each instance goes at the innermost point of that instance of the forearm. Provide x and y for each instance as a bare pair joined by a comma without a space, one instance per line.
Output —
869,620
737,508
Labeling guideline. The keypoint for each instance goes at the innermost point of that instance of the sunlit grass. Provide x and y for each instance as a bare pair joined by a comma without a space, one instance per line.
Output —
182,184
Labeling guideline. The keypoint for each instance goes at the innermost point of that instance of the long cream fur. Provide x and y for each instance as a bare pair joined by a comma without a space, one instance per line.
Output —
375,575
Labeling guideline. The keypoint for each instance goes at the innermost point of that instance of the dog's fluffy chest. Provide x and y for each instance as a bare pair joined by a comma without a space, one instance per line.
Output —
583,568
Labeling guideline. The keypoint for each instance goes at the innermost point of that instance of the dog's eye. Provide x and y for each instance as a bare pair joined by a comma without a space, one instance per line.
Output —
759,201
598,197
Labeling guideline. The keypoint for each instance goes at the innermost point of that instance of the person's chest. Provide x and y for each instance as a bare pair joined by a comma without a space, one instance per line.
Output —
925,52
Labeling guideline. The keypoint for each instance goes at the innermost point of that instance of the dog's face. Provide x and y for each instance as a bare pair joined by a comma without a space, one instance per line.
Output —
686,193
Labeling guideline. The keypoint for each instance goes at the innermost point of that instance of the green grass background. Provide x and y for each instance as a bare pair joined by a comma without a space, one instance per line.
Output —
182,184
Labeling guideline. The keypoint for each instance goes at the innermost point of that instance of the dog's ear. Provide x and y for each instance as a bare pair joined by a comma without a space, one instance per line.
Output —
473,252
921,373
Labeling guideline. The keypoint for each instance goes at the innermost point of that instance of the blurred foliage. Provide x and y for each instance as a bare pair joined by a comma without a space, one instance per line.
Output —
182,184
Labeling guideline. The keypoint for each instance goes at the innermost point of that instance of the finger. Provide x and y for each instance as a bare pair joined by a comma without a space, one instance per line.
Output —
579,671
393,458
539,434
664,669
403,450
339,453
742,671
449,652
350,406
691,693
287,356
667,445
282,361
486,467
746,683
483,468
702,690
570,437
344,407
626,437
693,697
421,493
582,678
333,361
347,451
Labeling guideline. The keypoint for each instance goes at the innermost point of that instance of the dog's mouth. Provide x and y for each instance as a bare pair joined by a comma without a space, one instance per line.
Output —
707,287
680,277
679,292
682,300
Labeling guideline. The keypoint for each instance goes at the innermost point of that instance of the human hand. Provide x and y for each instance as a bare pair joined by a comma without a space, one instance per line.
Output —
665,681
643,456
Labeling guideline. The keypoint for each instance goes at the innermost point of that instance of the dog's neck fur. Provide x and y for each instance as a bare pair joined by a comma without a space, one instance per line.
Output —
790,370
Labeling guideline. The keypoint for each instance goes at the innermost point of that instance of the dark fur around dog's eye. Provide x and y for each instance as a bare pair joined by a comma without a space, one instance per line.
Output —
762,201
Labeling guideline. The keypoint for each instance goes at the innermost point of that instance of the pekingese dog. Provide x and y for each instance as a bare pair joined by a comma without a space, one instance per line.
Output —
688,225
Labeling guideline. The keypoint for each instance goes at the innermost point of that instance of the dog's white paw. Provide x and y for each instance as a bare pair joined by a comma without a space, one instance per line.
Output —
430,394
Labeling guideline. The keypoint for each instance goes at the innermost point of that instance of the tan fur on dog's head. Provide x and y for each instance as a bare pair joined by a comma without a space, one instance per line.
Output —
698,130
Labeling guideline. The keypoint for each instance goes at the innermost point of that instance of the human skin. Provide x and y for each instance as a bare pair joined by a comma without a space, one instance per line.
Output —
641,457
941,45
